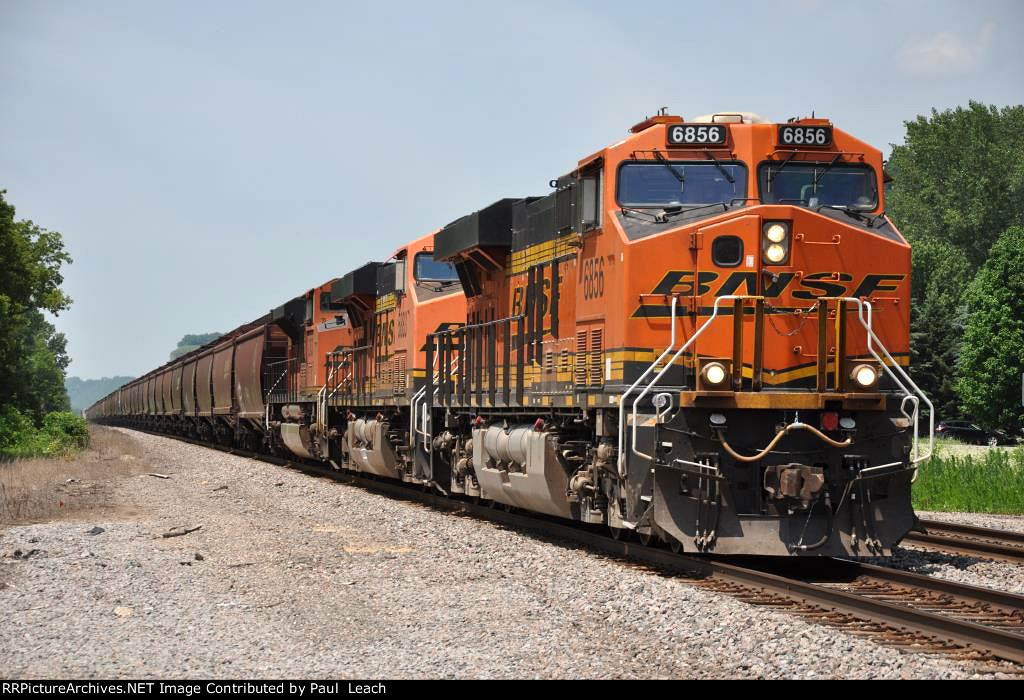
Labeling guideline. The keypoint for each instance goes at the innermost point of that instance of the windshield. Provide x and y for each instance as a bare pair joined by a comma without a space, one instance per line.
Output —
673,183
819,185
429,270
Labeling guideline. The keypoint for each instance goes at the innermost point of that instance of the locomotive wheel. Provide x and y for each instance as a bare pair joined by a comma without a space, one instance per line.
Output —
616,532
647,538
675,545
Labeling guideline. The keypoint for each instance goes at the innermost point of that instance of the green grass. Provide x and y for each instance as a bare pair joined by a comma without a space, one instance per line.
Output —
989,481
62,434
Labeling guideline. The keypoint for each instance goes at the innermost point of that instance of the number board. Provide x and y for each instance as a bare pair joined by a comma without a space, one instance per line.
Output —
697,134
807,136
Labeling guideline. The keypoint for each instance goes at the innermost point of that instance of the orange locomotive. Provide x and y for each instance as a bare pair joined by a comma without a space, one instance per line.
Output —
343,394
699,335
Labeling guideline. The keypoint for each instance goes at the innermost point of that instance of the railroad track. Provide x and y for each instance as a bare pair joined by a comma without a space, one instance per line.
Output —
980,626
972,541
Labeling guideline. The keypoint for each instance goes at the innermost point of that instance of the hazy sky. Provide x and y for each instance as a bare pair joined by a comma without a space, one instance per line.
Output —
206,161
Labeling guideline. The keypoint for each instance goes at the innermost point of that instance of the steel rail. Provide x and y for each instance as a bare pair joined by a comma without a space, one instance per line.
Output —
994,641
969,540
840,570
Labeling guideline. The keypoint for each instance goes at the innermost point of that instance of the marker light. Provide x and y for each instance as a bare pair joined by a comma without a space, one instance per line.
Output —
714,373
775,253
864,375
776,233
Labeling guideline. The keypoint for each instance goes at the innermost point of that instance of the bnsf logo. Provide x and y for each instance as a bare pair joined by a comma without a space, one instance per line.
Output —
809,287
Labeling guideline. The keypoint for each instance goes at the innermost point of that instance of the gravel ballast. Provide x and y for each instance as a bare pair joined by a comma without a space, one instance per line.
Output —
1014,523
296,576
974,571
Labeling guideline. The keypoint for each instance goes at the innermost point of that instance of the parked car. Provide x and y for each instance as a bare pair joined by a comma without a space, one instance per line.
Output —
966,431
1004,438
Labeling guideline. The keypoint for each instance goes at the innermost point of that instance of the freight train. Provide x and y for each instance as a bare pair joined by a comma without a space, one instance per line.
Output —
698,337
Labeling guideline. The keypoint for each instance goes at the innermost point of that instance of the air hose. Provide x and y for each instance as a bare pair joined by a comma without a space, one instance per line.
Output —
778,436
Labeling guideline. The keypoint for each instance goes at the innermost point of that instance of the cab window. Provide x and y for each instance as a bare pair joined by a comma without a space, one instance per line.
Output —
819,185
327,304
665,183
426,269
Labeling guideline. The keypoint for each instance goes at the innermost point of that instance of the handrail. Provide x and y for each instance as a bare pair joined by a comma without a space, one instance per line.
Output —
266,402
864,316
680,351
481,324
415,400
627,392
350,351
461,330
321,399
911,394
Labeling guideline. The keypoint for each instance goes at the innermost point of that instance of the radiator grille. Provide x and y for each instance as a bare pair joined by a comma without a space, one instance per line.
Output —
398,375
589,358
549,362
596,357
580,369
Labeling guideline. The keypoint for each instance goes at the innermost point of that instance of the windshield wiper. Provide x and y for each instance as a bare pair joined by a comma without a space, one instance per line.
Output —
721,168
818,175
849,211
773,173
441,284
626,211
664,215
681,176
669,210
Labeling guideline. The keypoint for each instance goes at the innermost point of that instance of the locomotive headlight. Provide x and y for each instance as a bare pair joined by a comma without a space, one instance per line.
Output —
775,242
865,376
775,253
714,373
776,233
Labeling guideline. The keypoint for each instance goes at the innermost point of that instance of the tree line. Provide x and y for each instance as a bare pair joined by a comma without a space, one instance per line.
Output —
958,197
34,407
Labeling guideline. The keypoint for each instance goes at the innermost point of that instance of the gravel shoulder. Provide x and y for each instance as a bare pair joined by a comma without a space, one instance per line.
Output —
296,576
1014,523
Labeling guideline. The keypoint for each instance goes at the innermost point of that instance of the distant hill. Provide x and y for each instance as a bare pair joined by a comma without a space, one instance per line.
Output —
189,343
85,392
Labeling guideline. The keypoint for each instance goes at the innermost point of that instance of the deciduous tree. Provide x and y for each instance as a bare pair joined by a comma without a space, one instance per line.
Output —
959,177
941,275
33,356
992,357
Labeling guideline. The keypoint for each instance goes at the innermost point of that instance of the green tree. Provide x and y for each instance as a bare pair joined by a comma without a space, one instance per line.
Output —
940,278
992,358
30,277
190,342
33,356
42,365
959,180
959,177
